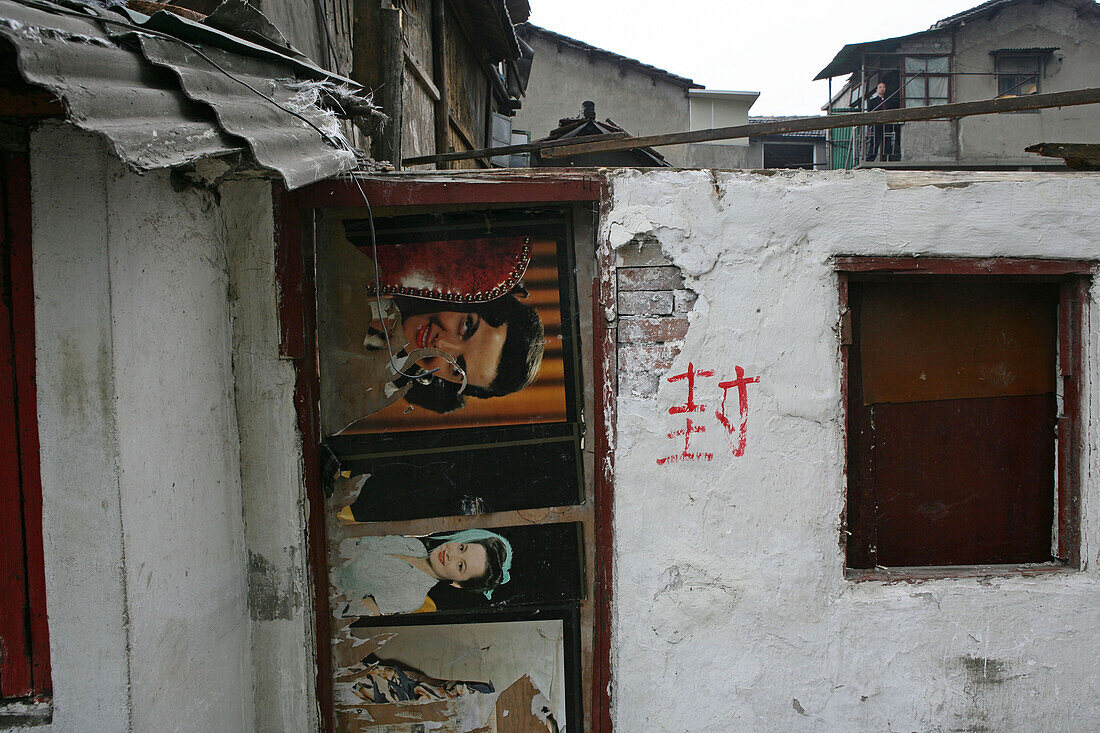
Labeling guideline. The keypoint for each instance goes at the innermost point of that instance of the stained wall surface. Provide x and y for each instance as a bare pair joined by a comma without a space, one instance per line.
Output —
172,494
731,607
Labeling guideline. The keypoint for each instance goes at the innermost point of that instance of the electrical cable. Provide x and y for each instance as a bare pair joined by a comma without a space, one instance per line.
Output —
450,359
198,50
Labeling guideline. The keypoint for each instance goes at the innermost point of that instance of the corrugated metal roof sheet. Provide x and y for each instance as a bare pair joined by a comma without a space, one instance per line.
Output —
161,102
112,90
277,139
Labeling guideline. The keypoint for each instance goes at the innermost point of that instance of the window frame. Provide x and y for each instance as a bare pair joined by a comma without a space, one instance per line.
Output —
906,77
295,214
25,666
1040,72
1074,278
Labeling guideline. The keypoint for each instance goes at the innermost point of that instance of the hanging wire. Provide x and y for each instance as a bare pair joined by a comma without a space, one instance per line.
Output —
450,359
198,50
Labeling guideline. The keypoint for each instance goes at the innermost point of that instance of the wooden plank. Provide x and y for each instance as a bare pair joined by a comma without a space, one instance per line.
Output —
19,223
1078,156
15,668
496,187
15,663
512,149
934,340
439,71
605,379
422,76
393,83
962,266
828,122
965,482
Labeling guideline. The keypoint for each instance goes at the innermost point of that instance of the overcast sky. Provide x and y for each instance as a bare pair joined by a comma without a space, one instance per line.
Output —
774,48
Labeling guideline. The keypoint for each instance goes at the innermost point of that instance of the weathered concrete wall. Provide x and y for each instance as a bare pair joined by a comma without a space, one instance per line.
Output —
706,155
167,426
274,495
81,492
562,77
731,610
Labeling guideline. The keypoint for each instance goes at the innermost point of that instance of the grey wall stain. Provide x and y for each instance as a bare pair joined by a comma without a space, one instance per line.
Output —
272,593
980,671
987,706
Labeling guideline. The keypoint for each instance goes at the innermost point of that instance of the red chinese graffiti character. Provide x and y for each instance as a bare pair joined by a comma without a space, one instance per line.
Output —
686,455
741,383
689,428
690,376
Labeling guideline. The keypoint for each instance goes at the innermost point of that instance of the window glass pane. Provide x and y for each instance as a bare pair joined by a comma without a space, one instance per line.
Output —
914,65
937,65
937,87
915,91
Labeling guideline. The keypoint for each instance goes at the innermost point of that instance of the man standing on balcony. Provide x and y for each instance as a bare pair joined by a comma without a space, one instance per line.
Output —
878,132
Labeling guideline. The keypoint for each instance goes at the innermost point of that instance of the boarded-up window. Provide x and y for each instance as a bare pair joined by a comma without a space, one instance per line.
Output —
955,400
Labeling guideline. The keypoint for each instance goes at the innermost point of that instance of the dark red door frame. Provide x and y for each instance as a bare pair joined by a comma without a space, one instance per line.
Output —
1075,276
295,247
25,661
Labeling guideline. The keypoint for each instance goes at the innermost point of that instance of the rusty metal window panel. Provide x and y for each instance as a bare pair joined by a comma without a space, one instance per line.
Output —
962,413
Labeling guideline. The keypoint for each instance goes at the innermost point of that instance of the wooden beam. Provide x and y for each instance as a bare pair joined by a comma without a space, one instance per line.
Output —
1078,156
577,146
393,83
422,76
513,149
804,124
439,70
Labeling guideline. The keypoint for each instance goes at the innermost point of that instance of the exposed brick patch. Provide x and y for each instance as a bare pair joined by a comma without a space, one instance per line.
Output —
646,302
654,359
641,367
642,254
684,300
650,330
652,306
650,278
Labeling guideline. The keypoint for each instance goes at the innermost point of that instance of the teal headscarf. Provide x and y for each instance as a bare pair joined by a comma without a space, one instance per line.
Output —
472,535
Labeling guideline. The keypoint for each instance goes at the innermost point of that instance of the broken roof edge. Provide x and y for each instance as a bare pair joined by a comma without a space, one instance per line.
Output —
156,122
843,62
633,63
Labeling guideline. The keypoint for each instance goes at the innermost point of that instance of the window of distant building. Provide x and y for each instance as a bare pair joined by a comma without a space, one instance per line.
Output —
1018,73
964,383
927,81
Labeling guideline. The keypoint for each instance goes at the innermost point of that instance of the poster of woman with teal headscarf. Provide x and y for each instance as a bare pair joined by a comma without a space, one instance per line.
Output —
472,569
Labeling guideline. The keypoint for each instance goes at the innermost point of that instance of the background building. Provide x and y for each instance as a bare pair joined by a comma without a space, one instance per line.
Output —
999,48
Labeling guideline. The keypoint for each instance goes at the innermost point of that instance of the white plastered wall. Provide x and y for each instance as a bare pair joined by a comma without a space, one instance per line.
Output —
172,494
731,609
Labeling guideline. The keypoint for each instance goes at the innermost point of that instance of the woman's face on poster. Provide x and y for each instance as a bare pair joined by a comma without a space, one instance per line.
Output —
458,561
469,338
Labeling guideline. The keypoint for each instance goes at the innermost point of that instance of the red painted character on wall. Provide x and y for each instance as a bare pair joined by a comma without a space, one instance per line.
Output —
736,428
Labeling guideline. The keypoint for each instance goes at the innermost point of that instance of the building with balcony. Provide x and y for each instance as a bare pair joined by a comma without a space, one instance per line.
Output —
996,49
